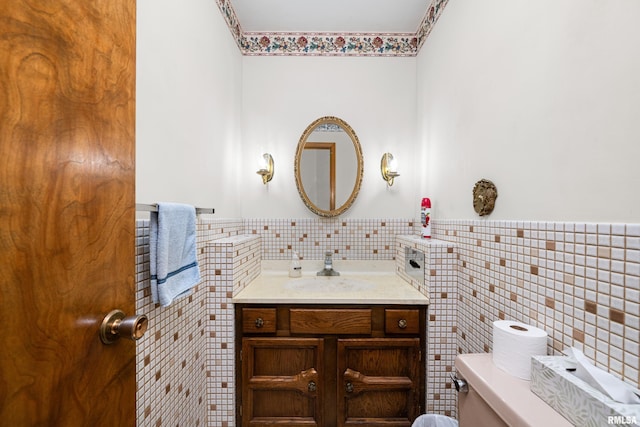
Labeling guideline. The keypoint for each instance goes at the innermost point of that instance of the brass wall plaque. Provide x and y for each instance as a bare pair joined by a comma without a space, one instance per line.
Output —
485,194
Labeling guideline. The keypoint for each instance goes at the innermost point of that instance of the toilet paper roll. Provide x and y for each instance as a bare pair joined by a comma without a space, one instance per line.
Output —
513,345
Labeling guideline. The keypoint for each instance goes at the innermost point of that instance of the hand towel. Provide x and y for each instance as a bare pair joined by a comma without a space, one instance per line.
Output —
172,252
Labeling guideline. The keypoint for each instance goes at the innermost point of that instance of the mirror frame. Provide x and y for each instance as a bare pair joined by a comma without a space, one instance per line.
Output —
359,172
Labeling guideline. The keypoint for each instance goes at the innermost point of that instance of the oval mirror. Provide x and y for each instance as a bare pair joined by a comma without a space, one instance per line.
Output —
328,166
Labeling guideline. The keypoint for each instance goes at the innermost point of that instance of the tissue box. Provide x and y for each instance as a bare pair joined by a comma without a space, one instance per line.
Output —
576,400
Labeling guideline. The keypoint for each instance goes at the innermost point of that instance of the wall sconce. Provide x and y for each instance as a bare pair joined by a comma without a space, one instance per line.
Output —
388,168
266,168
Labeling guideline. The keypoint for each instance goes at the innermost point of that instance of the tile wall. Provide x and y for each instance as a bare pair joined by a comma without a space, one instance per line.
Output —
579,282
440,283
357,239
232,263
173,358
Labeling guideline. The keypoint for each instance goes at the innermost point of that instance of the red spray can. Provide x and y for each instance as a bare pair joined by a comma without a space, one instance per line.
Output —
425,217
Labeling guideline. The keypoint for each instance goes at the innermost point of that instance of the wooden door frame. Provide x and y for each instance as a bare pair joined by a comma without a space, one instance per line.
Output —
331,147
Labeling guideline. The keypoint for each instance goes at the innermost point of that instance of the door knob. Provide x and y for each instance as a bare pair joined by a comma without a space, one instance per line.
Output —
115,325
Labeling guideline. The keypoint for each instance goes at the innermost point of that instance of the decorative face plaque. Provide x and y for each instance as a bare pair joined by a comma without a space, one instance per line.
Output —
485,194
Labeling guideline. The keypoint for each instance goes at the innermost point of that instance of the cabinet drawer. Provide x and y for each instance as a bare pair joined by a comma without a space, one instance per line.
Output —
330,321
404,321
259,320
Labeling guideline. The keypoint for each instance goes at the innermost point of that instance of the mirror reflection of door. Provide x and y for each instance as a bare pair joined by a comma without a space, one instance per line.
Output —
318,164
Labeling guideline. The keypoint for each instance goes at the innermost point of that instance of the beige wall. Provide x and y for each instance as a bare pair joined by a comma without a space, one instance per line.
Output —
283,95
539,97
189,93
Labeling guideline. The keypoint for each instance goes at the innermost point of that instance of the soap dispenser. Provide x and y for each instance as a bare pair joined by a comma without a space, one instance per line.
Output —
295,269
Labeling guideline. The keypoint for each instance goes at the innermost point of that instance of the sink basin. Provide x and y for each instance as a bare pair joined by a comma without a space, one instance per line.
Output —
360,282
328,284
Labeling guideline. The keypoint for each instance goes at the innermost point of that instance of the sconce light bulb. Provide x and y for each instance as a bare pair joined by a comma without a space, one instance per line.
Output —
393,165
266,168
388,168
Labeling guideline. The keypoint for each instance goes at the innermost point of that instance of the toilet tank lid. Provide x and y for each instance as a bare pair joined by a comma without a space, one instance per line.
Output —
510,397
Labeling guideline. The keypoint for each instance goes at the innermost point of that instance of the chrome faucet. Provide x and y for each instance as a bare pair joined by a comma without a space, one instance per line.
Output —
328,266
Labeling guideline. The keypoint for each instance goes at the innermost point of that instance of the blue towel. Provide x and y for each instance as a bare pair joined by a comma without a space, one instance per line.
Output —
172,252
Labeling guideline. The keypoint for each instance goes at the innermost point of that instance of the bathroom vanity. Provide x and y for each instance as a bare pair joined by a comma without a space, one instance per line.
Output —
330,351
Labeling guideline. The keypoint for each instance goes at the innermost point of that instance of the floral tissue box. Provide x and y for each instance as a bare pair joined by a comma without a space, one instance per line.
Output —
577,401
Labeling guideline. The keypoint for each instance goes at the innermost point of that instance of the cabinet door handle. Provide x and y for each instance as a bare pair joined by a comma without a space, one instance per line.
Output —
357,383
311,387
402,323
259,322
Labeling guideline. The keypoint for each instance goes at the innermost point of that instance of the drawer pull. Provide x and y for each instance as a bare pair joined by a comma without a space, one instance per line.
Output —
259,320
349,388
402,321
311,386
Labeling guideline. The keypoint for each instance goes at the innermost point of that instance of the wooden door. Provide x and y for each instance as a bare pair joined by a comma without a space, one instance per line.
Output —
380,381
67,176
282,382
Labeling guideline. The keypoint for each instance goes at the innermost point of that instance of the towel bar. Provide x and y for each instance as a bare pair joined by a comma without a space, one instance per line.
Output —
154,208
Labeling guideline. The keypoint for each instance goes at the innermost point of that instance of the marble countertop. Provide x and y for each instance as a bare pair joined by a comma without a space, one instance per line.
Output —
360,282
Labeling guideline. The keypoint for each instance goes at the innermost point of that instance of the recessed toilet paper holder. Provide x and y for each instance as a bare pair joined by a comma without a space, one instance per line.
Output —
414,263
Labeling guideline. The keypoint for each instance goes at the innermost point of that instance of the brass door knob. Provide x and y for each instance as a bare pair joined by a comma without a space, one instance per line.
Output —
115,325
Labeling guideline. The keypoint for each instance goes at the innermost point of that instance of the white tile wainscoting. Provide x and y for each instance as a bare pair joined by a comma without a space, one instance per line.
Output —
580,282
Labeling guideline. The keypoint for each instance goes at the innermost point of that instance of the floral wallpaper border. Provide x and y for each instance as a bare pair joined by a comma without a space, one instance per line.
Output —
330,44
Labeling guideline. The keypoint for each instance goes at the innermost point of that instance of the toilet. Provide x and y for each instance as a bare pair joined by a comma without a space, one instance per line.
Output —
490,397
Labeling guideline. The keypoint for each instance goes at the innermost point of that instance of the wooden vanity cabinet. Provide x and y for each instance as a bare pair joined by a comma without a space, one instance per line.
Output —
329,365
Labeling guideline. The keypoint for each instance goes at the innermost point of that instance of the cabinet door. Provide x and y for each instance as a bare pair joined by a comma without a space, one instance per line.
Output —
380,381
282,381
